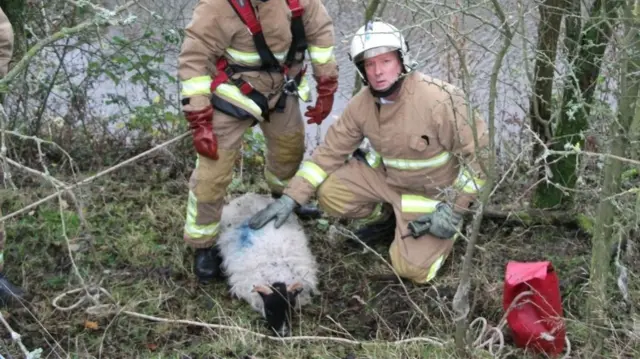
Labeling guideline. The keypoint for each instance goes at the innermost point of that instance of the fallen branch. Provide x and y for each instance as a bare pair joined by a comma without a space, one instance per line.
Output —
532,217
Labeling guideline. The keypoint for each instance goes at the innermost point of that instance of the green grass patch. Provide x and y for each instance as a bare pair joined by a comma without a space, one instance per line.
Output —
132,246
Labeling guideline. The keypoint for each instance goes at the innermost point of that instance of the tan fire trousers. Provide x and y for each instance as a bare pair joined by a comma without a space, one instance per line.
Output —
284,136
356,191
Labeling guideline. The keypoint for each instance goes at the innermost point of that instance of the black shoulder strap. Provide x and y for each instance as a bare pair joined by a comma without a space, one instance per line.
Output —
299,38
245,11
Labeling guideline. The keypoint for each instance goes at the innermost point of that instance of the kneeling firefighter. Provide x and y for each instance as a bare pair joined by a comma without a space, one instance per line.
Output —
422,172
257,48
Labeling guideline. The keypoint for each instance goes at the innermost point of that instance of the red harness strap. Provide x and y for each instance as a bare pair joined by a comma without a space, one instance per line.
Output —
245,11
296,9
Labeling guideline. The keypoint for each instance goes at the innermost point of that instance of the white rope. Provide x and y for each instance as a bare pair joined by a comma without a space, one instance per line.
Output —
489,336
93,295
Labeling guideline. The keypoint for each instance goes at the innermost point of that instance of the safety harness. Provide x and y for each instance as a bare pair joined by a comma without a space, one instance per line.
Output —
269,62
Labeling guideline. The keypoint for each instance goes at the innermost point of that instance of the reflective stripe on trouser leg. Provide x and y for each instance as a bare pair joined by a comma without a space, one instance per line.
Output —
284,136
417,274
418,259
375,215
209,181
207,188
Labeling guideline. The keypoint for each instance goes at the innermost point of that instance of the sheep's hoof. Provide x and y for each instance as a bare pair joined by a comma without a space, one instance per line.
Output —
206,264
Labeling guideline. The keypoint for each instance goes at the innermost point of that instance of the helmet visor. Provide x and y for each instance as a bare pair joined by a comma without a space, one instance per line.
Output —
373,52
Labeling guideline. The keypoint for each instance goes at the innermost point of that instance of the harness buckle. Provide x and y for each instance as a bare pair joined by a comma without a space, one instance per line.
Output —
290,87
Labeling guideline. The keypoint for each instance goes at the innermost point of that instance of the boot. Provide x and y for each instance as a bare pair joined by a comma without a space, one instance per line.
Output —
305,212
380,230
8,291
207,264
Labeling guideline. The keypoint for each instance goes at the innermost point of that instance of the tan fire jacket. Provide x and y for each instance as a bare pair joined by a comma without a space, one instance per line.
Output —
6,43
420,141
216,30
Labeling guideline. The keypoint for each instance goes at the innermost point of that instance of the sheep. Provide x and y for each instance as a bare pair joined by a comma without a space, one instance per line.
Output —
272,269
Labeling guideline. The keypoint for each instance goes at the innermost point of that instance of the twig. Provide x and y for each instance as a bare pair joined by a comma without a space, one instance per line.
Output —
461,298
73,262
114,309
65,32
16,337
591,154
349,234
6,178
56,183
98,175
40,140
432,341
480,342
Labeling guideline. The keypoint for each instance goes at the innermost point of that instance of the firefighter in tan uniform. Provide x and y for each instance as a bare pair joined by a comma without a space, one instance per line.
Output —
241,64
7,290
423,170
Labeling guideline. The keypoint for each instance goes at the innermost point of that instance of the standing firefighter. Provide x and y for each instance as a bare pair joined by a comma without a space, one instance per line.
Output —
7,290
422,172
257,48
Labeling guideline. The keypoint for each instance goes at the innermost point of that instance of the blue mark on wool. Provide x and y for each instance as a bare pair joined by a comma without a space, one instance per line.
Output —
245,235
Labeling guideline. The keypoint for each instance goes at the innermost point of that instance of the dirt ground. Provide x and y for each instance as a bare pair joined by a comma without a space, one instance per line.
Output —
132,248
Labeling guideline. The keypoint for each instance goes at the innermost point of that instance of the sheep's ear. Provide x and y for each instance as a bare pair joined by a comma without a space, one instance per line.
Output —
295,288
262,289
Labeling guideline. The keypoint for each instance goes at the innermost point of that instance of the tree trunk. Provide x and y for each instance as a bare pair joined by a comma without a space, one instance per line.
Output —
634,136
600,264
585,60
634,149
540,104
460,303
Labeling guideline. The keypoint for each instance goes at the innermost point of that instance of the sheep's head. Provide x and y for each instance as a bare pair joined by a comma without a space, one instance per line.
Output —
279,301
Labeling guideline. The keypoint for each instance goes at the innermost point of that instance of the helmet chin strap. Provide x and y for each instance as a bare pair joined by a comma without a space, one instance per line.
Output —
388,91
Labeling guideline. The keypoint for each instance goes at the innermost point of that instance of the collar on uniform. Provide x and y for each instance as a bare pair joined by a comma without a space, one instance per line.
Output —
407,85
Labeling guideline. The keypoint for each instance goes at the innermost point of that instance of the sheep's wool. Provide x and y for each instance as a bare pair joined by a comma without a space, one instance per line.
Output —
266,255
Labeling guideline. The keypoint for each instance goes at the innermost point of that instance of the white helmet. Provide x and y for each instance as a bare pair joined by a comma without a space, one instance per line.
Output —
375,38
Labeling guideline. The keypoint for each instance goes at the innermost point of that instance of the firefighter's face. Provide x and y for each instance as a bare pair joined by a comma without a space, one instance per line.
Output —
383,70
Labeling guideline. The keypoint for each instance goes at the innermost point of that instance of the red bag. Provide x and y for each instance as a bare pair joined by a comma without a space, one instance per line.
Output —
536,319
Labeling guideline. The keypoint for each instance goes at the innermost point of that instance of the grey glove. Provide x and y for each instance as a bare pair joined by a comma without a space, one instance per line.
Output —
280,210
442,223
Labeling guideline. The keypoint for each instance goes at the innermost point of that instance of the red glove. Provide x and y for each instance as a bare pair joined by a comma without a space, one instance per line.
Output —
201,125
327,86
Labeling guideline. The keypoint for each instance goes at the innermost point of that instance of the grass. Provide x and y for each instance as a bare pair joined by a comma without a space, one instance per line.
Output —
133,248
